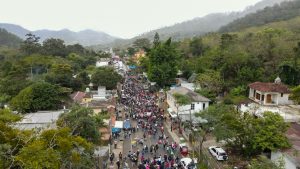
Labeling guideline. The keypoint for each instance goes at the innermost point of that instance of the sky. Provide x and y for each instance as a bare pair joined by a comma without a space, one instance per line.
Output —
121,18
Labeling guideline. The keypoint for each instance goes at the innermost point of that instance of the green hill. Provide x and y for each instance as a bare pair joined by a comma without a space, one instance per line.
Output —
284,11
8,39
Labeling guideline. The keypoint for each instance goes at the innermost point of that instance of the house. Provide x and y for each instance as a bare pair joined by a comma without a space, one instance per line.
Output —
103,62
290,156
198,103
40,120
269,93
78,96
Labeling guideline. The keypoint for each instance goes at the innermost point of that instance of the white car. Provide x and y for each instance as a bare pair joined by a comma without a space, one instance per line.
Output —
218,153
188,163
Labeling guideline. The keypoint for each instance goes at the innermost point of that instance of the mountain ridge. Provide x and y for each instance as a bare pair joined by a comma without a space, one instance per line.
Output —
85,37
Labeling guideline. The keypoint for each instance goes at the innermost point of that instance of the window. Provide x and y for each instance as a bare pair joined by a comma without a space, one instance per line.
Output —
281,94
203,106
192,106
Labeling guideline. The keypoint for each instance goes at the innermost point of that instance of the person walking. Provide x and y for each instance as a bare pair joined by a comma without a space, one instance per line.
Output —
118,164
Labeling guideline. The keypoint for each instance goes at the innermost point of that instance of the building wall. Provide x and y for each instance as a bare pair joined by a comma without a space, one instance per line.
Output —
185,109
288,163
100,64
276,97
284,99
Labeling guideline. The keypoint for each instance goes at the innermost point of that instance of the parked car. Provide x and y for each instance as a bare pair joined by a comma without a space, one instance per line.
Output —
218,153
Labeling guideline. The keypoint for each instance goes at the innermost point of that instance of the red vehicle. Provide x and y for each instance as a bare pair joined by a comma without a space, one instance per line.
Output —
184,151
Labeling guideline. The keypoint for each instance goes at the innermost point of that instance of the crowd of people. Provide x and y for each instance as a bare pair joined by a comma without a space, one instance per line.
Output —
153,149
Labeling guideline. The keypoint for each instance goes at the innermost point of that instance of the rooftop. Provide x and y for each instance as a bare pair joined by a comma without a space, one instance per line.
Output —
269,87
195,97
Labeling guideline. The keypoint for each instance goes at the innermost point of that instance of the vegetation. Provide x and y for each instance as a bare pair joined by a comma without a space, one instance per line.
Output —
106,76
163,63
53,149
38,96
8,39
245,133
82,122
284,11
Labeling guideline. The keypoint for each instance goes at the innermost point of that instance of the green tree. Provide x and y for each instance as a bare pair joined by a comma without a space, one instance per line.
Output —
296,94
197,47
130,51
182,100
106,76
246,133
56,149
141,43
156,41
265,163
163,63
54,47
38,96
82,122
210,80
31,44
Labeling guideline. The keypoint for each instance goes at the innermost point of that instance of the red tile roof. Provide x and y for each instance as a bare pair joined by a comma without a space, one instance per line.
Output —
269,87
77,96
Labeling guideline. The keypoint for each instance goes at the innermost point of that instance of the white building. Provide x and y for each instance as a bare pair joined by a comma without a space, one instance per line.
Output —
269,93
198,103
103,62
39,120
101,93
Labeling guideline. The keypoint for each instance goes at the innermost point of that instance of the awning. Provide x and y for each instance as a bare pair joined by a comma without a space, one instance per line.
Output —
119,124
172,113
126,124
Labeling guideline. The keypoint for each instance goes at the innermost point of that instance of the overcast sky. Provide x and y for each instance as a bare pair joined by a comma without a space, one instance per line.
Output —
122,18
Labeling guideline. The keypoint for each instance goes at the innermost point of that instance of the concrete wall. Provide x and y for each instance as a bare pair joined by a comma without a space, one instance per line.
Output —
289,164
186,108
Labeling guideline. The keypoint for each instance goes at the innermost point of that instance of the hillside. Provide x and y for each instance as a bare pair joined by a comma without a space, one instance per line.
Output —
284,11
195,27
85,37
9,39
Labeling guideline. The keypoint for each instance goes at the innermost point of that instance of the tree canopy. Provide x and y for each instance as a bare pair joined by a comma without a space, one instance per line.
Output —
106,76
82,122
38,96
163,63
246,133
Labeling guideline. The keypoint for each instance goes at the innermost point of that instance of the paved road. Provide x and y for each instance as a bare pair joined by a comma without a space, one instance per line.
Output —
151,139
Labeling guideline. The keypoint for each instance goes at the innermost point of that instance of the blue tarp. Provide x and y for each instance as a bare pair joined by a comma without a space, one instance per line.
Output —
126,124
132,67
115,130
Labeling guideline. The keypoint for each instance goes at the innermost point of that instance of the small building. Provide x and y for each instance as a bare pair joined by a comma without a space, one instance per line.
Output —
103,62
101,93
269,93
198,103
40,120
78,96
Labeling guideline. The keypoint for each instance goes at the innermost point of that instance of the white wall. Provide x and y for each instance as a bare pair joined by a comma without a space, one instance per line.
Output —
289,164
186,108
284,99
101,64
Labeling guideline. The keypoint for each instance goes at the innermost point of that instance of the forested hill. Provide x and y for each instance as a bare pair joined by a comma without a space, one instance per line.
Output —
8,39
285,11
194,27
208,23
